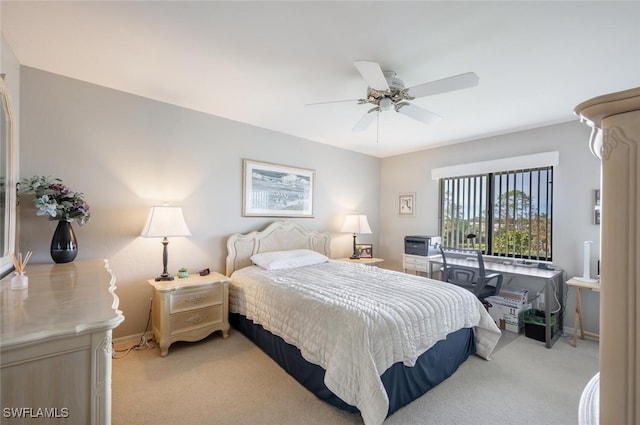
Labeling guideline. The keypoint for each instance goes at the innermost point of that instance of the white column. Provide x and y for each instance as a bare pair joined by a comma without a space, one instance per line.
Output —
615,119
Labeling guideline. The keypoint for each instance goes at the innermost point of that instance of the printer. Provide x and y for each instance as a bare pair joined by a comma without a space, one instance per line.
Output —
422,245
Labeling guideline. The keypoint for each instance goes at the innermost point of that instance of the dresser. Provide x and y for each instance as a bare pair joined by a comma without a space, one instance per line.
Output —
189,309
55,344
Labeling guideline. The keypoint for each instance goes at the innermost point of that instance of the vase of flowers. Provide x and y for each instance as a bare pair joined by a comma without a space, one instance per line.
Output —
56,201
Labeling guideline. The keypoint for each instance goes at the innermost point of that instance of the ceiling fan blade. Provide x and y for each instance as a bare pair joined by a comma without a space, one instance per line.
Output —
365,121
420,114
331,101
457,82
372,74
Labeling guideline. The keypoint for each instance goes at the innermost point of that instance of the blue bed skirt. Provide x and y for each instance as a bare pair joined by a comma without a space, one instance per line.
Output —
403,384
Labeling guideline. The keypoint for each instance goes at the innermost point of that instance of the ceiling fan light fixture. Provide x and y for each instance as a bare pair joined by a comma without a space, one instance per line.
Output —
385,104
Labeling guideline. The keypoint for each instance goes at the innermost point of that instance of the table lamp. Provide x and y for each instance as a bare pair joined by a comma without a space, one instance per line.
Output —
356,223
164,222
472,238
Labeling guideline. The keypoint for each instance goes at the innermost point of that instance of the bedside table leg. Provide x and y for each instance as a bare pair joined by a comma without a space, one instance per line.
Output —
225,332
164,349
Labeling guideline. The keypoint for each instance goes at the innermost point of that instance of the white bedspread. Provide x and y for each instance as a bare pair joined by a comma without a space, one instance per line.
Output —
356,321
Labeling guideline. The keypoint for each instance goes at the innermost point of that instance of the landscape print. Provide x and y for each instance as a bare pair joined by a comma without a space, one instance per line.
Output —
277,190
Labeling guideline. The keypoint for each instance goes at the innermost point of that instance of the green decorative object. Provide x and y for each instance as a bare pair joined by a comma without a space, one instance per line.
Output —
183,273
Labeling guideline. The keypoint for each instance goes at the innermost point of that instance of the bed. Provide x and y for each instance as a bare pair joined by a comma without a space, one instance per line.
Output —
362,338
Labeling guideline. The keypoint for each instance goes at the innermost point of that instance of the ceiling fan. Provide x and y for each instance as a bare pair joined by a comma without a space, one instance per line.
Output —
387,91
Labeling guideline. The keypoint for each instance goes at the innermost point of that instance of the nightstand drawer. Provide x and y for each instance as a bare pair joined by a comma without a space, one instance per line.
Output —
188,300
196,318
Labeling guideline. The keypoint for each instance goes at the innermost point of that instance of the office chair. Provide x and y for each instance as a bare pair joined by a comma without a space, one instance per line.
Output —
471,274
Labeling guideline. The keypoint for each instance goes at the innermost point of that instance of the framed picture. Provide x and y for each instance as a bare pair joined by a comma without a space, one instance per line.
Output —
406,204
273,190
364,250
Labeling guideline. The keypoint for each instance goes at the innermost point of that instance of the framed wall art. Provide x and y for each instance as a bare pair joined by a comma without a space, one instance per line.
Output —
274,190
407,204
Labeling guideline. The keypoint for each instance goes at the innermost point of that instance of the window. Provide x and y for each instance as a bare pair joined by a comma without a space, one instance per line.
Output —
506,214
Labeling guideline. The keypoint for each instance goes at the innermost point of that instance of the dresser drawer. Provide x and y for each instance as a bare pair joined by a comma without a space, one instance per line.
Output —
419,261
415,263
424,261
416,267
188,300
196,318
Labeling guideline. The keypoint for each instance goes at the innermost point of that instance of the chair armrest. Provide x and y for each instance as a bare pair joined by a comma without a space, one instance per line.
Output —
493,276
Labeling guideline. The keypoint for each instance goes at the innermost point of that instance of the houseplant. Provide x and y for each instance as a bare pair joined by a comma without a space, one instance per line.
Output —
58,202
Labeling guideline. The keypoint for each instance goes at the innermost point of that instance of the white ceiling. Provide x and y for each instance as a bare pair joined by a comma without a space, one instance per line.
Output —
262,62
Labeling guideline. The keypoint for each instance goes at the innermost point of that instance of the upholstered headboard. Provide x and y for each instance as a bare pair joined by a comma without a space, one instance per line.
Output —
278,236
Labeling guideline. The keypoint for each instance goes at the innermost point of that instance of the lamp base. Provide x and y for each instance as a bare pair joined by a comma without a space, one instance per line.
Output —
355,255
165,274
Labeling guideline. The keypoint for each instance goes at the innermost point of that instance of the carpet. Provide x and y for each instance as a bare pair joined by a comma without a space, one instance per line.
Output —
232,382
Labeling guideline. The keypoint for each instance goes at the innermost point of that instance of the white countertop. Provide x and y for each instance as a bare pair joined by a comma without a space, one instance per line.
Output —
61,299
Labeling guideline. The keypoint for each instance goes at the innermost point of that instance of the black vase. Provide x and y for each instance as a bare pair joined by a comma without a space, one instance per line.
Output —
64,246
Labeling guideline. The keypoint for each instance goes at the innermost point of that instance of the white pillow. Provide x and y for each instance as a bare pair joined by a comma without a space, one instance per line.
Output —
280,260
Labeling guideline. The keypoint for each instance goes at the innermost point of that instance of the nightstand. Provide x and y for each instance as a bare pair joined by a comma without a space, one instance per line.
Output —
366,261
189,309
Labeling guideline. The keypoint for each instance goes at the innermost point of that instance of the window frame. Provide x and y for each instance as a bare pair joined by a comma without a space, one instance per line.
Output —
486,238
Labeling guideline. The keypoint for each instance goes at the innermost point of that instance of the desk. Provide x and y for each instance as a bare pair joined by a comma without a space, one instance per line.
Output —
547,276
577,284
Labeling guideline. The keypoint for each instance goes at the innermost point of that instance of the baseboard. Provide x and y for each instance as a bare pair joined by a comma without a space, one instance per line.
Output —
587,335
131,339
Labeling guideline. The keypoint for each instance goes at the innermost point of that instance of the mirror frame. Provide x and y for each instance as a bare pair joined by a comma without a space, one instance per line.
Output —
11,165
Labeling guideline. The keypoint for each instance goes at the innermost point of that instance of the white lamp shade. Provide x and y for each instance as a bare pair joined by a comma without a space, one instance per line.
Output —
356,223
165,222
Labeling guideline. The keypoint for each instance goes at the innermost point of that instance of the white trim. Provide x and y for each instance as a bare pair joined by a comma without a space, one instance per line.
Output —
132,339
544,159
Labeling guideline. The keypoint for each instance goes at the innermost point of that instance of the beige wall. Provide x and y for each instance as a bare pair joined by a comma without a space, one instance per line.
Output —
127,153
575,179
